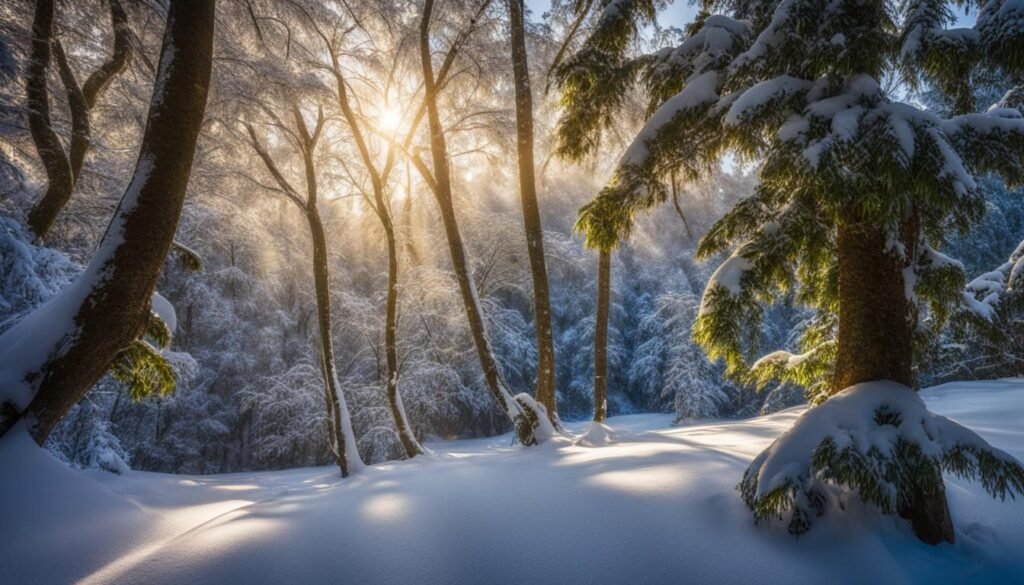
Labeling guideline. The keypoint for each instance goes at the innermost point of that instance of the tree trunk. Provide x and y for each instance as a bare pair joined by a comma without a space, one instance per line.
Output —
531,214
51,151
80,102
442,190
604,293
876,330
409,442
108,306
345,452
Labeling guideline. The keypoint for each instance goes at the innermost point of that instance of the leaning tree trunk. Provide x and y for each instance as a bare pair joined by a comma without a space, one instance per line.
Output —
531,214
108,306
63,174
604,291
876,330
442,189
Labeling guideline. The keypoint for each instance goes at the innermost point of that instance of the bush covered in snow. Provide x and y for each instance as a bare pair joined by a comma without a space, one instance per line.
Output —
876,440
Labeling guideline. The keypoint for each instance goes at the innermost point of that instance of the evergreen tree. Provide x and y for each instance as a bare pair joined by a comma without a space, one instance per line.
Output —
857,193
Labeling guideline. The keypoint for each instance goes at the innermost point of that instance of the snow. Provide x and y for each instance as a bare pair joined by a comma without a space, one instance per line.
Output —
596,435
699,91
762,94
656,505
728,277
848,418
984,292
164,310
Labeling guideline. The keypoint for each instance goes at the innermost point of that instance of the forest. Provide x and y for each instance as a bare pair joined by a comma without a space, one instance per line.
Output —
281,281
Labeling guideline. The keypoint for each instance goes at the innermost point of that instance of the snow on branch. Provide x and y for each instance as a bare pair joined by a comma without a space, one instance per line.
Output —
875,438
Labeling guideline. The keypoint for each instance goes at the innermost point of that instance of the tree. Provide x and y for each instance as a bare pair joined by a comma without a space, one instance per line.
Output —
379,200
604,289
63,168
531,425
343,442
856,193
55,354
531,212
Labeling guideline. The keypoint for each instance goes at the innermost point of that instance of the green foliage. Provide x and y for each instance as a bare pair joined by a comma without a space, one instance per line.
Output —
886,478
795,88
143,371
158,331
595,81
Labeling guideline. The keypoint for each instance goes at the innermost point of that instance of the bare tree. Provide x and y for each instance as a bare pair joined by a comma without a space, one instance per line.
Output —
528,423
379,201
343,443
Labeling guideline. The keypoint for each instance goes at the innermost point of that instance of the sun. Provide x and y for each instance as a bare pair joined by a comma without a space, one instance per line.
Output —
388,118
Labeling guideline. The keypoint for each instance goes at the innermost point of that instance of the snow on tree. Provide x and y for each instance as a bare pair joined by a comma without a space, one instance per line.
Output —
857,193
50,358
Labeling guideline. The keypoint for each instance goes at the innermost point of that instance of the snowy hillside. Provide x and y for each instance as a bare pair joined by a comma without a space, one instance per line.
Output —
656,504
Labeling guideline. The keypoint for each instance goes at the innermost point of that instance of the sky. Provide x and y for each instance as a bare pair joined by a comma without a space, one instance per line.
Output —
682,12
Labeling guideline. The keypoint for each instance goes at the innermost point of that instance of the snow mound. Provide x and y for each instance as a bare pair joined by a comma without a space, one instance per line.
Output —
596,435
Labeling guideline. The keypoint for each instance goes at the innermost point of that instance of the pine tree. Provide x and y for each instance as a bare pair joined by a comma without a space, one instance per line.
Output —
857,193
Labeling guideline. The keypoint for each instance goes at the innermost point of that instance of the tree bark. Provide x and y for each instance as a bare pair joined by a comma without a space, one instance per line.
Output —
604,286
531,214
80,102
51,151
876,331
111,299
875,317
442,189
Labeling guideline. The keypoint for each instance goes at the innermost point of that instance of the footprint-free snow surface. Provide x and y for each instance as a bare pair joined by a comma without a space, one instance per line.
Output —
647,503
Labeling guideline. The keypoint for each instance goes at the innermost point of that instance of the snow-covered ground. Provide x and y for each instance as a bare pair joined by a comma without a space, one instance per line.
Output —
652,504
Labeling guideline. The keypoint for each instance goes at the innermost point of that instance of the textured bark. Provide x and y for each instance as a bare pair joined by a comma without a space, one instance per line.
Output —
876,330
51,151
441,186
604,290
875,317
119,282
531,214
80,102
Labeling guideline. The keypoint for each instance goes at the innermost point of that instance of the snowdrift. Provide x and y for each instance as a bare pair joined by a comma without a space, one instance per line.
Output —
648,503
